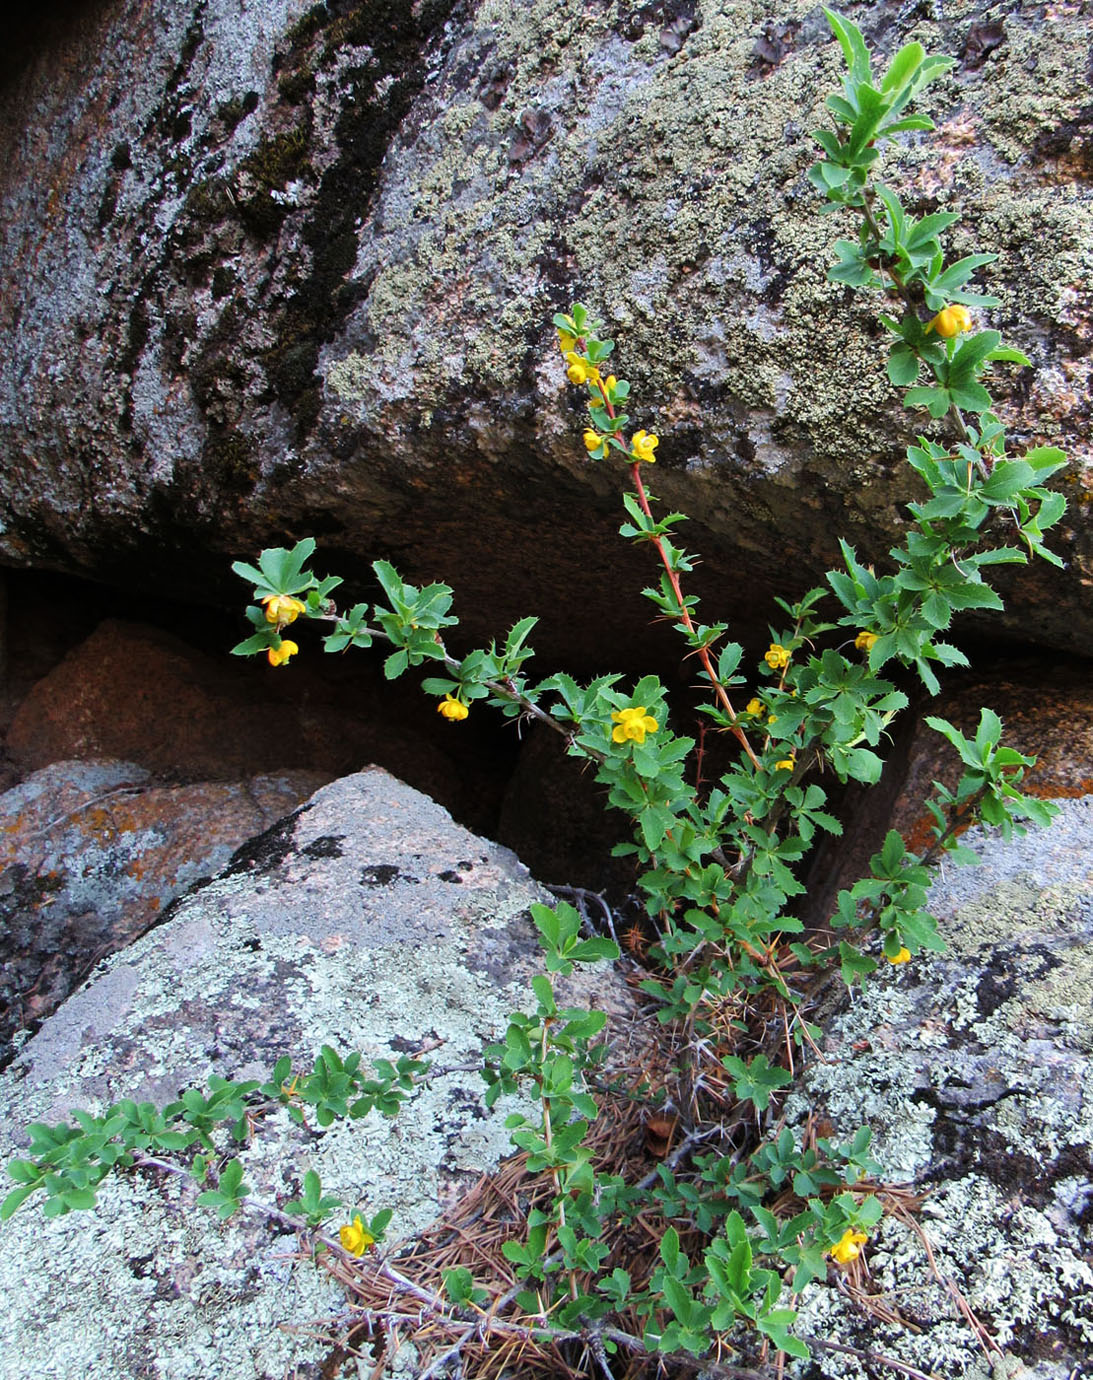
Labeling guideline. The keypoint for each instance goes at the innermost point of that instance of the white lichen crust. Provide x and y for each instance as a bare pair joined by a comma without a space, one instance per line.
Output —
973,1070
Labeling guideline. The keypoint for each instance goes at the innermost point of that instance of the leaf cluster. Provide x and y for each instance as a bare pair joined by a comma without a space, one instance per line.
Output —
69,1160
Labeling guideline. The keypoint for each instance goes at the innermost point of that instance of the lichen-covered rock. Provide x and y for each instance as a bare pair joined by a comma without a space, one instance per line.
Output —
1046,713
309,257
91,856
974,1071
367,921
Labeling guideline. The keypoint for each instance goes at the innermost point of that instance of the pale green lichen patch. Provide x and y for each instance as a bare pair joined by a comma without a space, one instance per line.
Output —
669,185
973,1070
370,922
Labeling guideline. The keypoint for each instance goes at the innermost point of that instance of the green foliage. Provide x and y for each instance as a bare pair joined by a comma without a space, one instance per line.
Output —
227,1197
314,1205
719,864
69,1160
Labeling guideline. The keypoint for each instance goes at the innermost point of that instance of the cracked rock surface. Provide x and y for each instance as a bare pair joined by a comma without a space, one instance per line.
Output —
367,920
974,1070
283,269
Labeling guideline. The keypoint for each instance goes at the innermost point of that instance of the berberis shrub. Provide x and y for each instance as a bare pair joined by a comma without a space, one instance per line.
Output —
718,866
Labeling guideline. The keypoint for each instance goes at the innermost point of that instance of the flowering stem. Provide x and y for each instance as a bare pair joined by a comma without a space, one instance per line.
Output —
503,690
685,618
905,293
141,1161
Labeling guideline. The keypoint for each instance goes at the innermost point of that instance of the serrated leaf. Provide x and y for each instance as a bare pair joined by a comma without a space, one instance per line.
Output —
903,366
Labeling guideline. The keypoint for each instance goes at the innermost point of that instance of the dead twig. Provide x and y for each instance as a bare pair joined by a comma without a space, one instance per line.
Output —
875,1358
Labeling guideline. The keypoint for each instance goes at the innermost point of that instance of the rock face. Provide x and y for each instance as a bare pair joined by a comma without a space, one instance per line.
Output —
368,921
139,694
91,856
282,270
974,1070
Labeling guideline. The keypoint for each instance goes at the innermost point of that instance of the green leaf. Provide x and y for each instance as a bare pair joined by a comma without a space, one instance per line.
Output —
756,1080
259,642
1008,355
936,400
593,950
929,227
15,1199
25,1171
904,66
853,45
903,366
854,964
1045,460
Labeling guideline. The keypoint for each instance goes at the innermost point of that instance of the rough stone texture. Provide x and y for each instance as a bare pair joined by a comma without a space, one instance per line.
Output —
369,921
136,693
1046,717
974,1071
1047,713
309,258
91,856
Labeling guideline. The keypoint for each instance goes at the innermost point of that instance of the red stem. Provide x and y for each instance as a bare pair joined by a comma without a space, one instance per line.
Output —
685,617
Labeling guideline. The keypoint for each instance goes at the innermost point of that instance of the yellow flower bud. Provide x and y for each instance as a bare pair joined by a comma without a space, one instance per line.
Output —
282,608
755,708
904,956
566,341
355,1237
279,655
579,371
951,321
864,641
643,445
848,1247
592,440
452,709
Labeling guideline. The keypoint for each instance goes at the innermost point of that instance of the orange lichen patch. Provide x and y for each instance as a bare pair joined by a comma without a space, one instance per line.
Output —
919,835
1059,790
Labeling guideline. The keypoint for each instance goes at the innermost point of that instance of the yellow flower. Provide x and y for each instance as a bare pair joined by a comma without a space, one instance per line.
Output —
786,764
566,341
951,321
452,708
864,641
282,608
356,1238
848,1247
632,723
755,708
279,655
592,440
580,371
904,956
777,657
643,445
